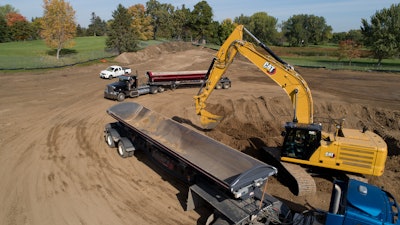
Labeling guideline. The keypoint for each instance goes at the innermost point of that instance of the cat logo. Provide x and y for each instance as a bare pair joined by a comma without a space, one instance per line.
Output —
270,68
330,154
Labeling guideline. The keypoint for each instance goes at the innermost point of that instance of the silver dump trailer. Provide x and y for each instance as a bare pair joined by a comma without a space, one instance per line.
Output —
229,182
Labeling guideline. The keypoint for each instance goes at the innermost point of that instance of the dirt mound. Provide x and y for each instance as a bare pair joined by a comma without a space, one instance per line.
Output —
252,122
264,116
128,58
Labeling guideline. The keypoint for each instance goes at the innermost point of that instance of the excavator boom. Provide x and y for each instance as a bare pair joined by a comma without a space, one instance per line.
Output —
280,72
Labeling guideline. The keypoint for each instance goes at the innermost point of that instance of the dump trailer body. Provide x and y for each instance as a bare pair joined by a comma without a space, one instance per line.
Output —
178,75
231,169
229,182
183,78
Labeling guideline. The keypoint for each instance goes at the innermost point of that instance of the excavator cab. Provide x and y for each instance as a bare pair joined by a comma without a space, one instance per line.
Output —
301,140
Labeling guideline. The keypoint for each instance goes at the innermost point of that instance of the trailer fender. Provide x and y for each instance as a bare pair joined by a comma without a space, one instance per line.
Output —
125,147
111,136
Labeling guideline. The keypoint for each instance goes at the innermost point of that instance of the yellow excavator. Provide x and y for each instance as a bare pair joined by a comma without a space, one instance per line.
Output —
305,143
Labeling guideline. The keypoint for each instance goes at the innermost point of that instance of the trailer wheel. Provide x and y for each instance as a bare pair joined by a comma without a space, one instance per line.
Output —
110,140
121,97
154,90
122,150
160,89
218,86
220,221
226,85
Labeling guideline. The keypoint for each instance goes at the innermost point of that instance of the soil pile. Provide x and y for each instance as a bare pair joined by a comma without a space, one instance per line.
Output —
153,51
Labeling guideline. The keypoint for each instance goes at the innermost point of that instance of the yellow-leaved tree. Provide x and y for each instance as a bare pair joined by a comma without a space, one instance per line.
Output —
58,24
141,23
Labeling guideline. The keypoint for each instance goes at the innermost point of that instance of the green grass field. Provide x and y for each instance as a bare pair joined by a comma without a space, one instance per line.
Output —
35,54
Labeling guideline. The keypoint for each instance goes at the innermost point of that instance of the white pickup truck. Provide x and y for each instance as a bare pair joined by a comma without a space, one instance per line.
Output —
114,71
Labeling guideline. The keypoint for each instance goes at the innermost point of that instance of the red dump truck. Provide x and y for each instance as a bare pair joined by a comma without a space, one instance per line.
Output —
128,86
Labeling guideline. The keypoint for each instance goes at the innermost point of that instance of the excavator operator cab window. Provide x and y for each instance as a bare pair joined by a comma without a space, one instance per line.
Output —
300,143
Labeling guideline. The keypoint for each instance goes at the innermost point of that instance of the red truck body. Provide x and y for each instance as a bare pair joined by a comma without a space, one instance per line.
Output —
176,76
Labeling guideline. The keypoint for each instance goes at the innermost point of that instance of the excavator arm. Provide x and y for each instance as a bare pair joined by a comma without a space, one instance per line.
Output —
274,67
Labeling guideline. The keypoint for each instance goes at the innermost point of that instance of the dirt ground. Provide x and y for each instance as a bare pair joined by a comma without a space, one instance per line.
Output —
55,167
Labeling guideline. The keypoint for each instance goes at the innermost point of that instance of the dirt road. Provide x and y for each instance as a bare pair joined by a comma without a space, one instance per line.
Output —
55,167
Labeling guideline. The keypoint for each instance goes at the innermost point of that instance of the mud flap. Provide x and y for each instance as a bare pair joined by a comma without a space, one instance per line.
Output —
203,193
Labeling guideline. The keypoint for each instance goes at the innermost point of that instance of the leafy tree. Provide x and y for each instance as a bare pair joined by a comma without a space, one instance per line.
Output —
294,30
212,32
18,27
14,17
201,19
318,31
180,23
225,29
36,26
263,27
243,20
303,29
383,34
141,23
6,9
121,35
4,30
349,49
80,31
338,37
354,35
97,27
20,31
161,15
58,24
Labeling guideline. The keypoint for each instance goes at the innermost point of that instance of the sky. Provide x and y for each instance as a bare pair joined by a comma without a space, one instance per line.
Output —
341,15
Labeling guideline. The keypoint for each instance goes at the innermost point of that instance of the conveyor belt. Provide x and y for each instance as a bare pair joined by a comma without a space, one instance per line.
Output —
229,167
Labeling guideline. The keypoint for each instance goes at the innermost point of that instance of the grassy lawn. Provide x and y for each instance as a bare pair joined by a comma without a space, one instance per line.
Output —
327,57
35,54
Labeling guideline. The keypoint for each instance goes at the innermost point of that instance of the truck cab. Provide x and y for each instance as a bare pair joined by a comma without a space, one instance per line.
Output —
356,202
126,86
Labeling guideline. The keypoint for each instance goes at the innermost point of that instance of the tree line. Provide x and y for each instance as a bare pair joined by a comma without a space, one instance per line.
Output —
156,20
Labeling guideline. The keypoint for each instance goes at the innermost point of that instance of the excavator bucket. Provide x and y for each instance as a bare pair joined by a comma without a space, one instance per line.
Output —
208,120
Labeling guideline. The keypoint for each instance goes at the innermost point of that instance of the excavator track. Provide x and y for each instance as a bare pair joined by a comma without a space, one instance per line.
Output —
295,177
305,182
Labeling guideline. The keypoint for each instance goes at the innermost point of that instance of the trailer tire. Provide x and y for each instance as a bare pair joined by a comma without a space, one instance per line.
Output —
154,90
218,86
226,85
122,150
120,97
109,140
220,221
